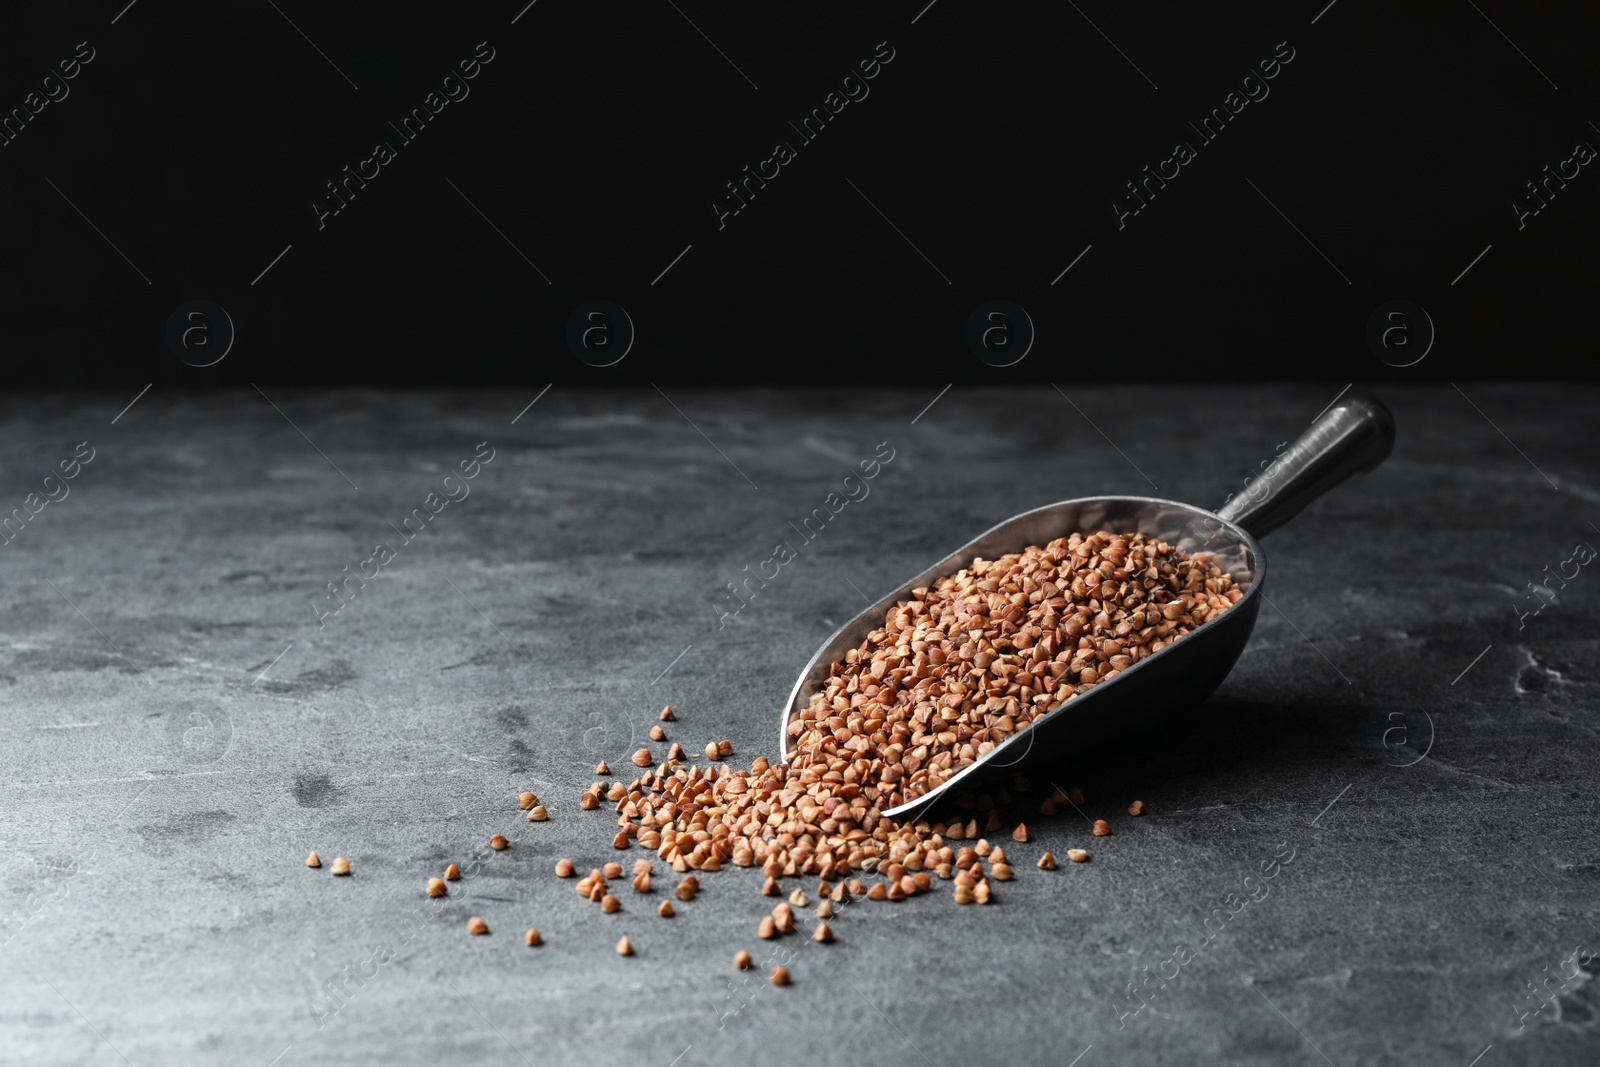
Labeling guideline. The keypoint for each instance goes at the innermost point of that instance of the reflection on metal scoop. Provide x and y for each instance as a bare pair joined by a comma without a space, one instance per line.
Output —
1353,435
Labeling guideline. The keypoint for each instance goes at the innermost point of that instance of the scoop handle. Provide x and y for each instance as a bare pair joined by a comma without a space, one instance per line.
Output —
1353,436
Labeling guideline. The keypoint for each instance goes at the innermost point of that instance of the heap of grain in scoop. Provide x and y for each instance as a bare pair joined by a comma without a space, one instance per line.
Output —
953,672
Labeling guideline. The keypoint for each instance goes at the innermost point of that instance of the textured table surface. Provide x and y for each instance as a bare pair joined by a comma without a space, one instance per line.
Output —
180,730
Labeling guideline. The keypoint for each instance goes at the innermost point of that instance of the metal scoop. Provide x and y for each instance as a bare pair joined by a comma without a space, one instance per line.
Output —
1354,435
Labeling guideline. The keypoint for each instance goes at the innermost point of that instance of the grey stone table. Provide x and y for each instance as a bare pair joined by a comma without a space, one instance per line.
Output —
1376,843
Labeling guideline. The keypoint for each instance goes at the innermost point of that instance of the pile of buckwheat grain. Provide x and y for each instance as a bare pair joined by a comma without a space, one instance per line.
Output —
952,672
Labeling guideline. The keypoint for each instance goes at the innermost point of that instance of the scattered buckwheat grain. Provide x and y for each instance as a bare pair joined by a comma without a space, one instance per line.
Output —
340,865
526,801
532,938
1102,828
780,975
476,925
741,960
437,888
499,843
313,860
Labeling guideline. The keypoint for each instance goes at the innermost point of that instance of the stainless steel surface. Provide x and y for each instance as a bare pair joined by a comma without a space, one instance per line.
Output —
1354,434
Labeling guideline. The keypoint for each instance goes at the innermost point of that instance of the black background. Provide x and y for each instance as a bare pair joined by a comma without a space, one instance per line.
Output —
198,137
